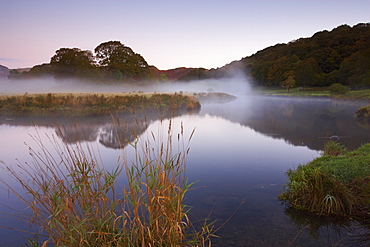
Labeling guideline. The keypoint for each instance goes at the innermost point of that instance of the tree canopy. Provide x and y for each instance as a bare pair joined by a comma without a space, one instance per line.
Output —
112,61
122,60
339,56
69,62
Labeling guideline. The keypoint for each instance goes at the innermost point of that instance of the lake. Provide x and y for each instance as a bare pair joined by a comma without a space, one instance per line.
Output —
239,153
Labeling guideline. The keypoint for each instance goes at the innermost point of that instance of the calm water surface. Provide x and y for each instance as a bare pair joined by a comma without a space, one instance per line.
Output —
239,153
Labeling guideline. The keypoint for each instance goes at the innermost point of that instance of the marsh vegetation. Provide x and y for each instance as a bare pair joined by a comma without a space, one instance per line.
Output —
240,151
87,104
335,183
75,201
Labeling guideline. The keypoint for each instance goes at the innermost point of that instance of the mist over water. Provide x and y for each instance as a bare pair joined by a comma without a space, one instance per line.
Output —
240,151
237,85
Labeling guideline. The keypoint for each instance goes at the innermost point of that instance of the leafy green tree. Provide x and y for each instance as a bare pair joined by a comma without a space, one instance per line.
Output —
355,70
307,73
115,56
40,70
289,81
163,78
277,72
69,62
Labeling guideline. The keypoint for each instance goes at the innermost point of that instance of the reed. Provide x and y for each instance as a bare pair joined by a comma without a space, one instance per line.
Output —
76,202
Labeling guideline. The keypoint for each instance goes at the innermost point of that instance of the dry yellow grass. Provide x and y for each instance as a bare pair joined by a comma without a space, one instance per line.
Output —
85,104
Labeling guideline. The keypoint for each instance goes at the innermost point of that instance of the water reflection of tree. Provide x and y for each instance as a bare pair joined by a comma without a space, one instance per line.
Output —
300,122
112,131
118,135
348,231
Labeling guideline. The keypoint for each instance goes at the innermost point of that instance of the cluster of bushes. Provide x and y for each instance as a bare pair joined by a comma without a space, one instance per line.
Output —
337,183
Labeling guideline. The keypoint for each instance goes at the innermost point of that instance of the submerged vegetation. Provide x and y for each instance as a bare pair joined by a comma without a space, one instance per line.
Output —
76,202
87,104
338,183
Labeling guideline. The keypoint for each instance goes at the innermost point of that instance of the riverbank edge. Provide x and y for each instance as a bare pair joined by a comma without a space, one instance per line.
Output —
90,104
319,92
326,185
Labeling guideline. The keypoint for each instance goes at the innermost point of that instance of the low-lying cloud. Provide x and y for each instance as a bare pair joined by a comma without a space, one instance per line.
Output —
236,85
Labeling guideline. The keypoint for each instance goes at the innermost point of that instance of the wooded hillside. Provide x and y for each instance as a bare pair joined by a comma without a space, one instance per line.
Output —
339,56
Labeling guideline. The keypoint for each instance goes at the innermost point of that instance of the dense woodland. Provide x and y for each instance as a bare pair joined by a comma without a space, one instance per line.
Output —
341,55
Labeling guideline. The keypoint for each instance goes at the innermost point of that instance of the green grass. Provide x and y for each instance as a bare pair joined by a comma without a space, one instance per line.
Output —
294,92
76,202
363,94
336,183
312,92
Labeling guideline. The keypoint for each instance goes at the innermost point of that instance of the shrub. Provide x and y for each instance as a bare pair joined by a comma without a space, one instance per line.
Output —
363,112
334,149
337,88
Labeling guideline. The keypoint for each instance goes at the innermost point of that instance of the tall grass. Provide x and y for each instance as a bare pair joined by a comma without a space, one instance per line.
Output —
336,183
87,104
76,202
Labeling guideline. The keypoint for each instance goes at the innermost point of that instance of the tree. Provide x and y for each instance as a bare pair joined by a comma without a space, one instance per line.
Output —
72,62
355,70
14,74
289,82
117,57
307,73
73,57
163,78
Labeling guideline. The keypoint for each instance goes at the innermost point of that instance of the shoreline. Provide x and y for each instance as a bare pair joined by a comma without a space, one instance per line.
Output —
90,104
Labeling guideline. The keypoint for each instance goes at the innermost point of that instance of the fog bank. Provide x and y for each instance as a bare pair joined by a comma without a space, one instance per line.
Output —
237,85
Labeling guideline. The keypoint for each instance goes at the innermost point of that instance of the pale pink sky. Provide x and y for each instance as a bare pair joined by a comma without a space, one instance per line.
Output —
167,33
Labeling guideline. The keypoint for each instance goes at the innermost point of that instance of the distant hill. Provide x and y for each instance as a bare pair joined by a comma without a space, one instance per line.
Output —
171,74
4,71
339,56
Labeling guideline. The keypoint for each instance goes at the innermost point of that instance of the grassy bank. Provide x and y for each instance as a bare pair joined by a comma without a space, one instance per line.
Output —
336,183
363,94
88,104
293,92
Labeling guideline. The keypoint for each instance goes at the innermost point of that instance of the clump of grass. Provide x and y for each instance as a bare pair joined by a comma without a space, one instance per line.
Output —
336,183
363,112
76,202
333,148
